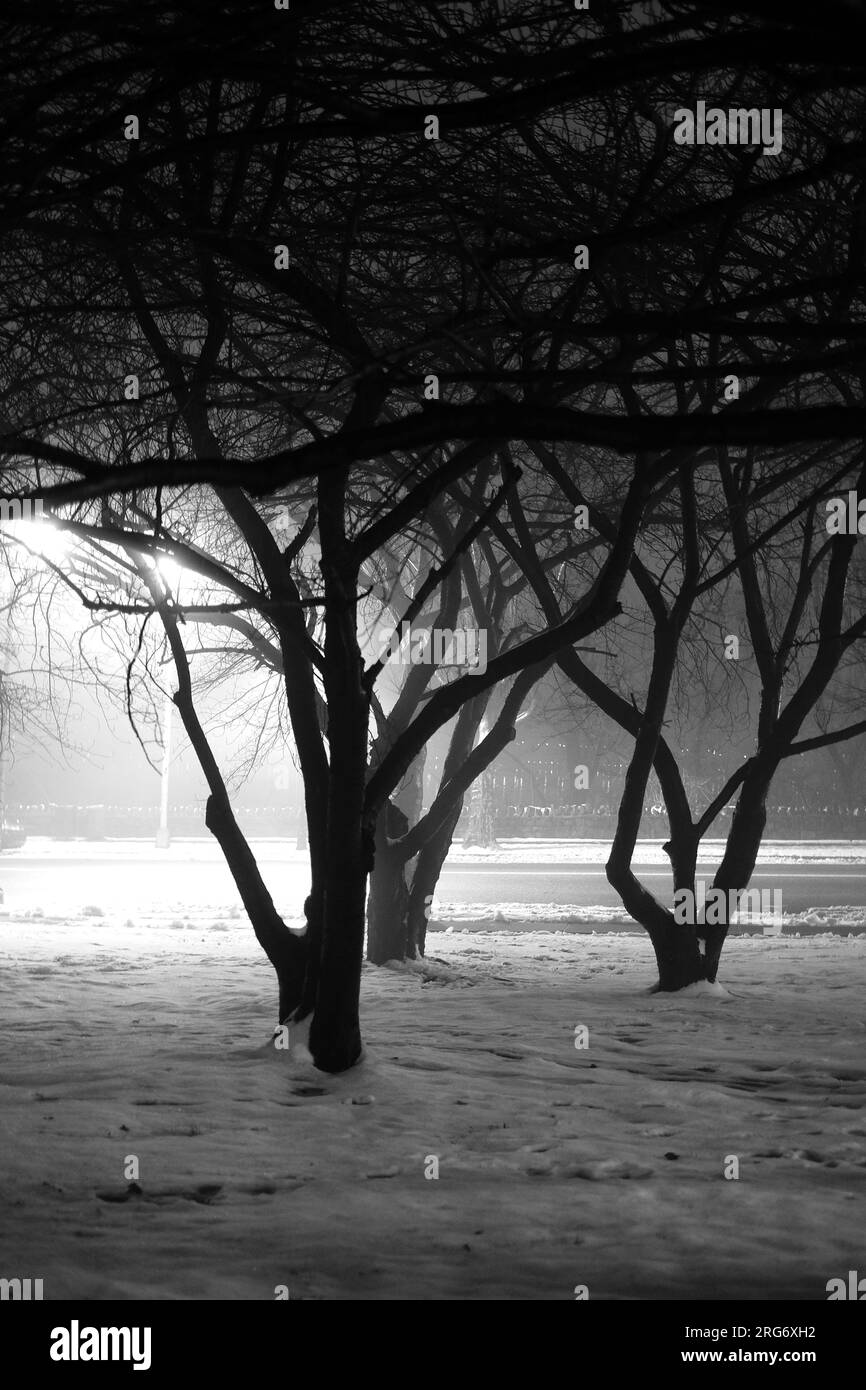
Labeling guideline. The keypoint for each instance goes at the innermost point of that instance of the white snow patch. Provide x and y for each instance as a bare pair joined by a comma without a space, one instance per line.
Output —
299,1040
704,989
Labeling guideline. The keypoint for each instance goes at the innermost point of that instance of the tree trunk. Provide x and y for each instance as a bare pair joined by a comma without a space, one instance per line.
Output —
741,849
314,906
335,1030
303,704
678,955
428,867
480,833
391,877
677,945
388,903
409,795
286,951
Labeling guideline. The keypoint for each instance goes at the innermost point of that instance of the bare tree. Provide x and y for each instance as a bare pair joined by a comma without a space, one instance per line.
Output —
291,289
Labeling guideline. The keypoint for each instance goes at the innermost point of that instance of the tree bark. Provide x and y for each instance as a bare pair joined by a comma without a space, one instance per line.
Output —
388,902
428,867
678,954
335,1030
741,850
397,886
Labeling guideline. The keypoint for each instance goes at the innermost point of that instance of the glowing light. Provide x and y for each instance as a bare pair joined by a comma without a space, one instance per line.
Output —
44,539
170,571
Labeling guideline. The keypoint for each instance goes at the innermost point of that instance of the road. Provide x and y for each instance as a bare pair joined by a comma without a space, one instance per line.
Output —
584,885
115,879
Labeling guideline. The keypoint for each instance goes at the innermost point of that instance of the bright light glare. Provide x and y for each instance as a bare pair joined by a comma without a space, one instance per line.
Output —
42,538
170,570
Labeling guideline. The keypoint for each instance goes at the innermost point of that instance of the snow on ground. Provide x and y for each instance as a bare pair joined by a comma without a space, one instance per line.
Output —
558,1165
524,851
465,916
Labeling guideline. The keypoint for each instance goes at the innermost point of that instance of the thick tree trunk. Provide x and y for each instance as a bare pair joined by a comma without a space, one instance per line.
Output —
401,886
388,902
677,945
428,867
678,956
335,1030
682,850
391,878
741,850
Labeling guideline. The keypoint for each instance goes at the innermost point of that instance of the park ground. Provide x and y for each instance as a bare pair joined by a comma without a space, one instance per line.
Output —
148,1037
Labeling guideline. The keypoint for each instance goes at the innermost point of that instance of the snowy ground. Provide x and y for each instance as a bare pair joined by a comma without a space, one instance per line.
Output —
524,851
546,916
558,1166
